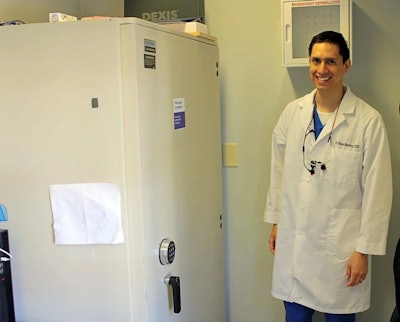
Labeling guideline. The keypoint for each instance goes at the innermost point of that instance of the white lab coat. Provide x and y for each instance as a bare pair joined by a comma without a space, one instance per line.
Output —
323,218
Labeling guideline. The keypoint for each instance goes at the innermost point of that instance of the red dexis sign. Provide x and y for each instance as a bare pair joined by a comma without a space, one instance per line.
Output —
315,3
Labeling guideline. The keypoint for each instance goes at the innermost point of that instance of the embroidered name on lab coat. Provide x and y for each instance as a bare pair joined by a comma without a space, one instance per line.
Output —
348,145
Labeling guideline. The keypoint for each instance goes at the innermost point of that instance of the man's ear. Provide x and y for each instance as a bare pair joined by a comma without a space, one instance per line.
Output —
347,65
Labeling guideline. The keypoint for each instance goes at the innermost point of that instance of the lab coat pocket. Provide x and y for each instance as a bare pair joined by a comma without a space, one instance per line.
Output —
343,232
344,166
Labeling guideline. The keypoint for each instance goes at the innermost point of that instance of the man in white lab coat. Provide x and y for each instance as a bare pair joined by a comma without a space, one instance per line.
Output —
330,193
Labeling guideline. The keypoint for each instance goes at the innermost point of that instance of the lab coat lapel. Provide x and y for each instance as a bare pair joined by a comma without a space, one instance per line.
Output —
307,106
330,126
347,106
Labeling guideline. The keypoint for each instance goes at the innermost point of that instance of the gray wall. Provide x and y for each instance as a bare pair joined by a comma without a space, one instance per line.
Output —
38,10
255,89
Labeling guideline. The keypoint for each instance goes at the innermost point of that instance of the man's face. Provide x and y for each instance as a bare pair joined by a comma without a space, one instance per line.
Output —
327,67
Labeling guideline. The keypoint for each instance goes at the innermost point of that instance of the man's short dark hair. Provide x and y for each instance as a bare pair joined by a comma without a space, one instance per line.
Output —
332,37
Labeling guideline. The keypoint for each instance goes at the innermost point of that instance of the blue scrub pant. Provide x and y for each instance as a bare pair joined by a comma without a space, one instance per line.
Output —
299,313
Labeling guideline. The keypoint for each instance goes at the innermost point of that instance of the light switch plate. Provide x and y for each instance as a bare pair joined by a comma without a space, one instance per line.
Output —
230,154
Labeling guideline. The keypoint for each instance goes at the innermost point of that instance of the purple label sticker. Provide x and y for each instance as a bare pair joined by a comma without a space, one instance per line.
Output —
179,113
179,120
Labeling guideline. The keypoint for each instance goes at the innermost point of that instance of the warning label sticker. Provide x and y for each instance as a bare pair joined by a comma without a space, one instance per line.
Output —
150,54
149,61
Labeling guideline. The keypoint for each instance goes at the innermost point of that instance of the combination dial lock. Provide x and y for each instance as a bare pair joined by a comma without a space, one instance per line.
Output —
167,251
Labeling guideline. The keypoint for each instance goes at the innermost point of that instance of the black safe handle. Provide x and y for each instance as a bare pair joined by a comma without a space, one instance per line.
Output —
175,283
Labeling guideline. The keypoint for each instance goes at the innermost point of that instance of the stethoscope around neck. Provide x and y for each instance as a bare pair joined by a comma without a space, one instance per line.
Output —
315,164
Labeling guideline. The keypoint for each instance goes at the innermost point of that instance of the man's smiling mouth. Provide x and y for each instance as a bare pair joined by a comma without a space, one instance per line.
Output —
323,79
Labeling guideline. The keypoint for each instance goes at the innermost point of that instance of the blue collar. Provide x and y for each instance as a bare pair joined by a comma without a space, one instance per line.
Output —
318,126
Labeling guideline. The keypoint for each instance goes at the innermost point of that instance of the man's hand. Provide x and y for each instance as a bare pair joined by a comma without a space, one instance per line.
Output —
357,269
272,238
